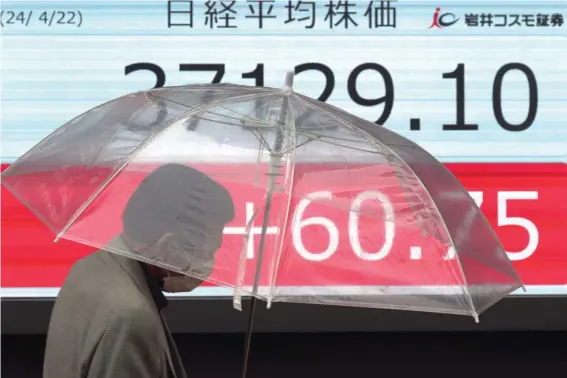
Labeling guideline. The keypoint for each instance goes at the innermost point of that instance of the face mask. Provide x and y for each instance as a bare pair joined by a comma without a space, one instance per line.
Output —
180,284
167,249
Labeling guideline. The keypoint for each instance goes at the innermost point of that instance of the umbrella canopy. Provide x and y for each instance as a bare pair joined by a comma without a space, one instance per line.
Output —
158,169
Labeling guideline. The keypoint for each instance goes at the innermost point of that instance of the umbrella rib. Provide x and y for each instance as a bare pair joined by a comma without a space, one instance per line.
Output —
343,139
253,119
347,147
309,140
262,140
331,137
444,225
255,110
224,86
134,153
223,122
240,120
260,137
113,135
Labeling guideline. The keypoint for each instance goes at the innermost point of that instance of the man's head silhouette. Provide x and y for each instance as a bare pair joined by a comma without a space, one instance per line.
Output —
177,216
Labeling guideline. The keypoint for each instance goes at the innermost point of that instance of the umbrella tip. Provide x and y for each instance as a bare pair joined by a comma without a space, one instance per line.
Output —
288,85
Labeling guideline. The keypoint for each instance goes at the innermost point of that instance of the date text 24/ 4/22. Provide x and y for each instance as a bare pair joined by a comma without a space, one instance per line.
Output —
46,18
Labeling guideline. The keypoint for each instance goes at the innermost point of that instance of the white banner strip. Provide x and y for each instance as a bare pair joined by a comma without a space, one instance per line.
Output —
544,290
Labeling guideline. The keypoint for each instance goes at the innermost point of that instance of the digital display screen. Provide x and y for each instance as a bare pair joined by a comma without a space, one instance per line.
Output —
482,86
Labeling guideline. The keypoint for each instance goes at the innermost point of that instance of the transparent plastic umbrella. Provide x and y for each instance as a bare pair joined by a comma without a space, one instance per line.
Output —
352,214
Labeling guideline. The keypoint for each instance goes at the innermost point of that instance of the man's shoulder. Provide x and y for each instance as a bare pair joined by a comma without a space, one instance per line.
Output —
115,308
88,264
96,267
93,258
97,283
135,310
115,289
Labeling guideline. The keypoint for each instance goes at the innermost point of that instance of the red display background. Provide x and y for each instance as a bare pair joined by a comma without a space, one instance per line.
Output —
30,259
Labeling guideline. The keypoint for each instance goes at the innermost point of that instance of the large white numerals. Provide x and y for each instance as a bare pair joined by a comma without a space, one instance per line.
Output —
389,226
299,223
505,220
529,226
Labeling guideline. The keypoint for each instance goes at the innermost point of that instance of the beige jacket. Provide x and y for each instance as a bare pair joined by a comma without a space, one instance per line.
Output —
105,324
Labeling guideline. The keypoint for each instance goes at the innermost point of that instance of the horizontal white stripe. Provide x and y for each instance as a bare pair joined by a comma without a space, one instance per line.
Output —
150,1
202,154
279,38
214,291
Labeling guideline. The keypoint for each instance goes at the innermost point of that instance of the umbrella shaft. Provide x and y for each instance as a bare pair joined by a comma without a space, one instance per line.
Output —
275,160
265,222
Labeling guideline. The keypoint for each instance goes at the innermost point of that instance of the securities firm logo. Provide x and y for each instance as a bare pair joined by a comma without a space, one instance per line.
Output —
443,20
